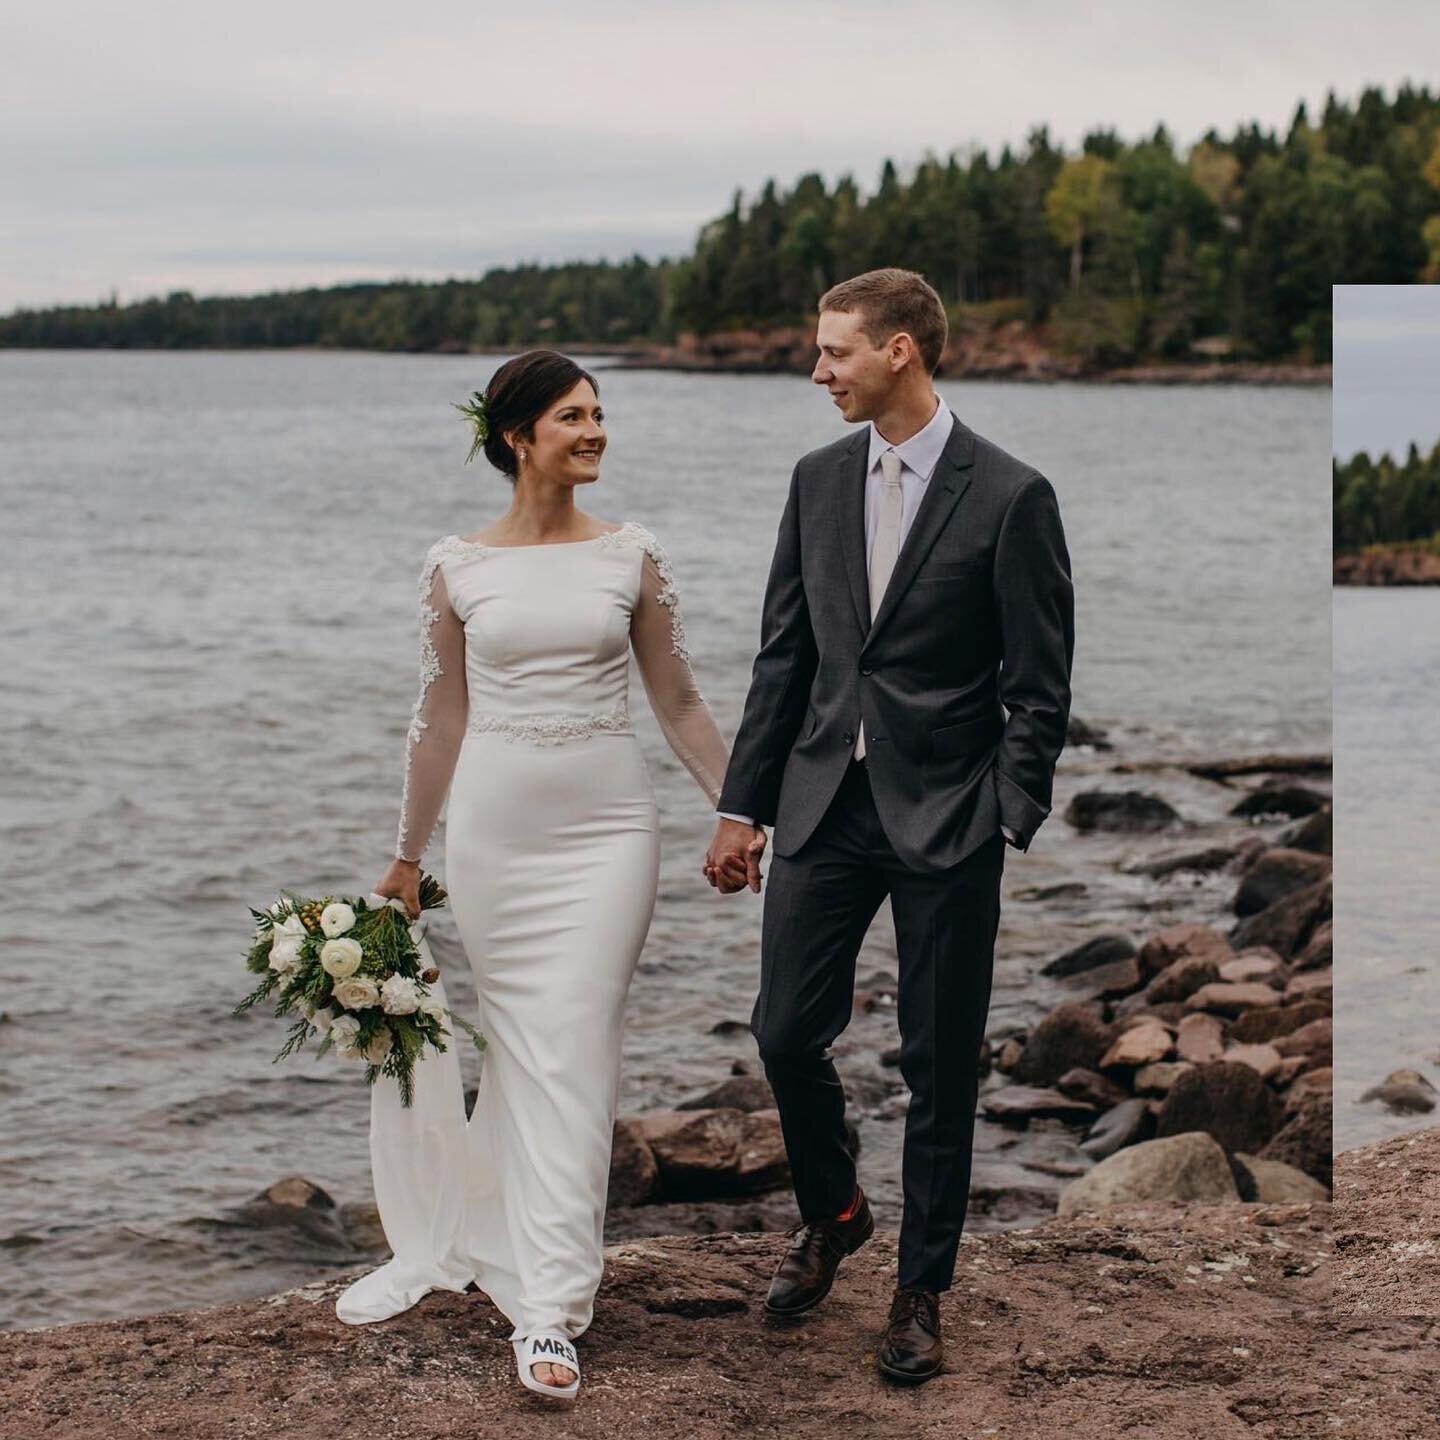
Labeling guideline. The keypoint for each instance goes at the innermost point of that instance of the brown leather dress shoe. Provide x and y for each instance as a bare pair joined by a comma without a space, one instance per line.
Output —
911,1348
807,1270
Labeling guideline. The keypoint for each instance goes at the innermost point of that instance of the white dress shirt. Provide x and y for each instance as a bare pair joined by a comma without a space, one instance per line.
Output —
918,457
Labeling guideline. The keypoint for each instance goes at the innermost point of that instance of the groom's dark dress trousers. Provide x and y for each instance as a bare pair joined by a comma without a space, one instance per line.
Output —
962,681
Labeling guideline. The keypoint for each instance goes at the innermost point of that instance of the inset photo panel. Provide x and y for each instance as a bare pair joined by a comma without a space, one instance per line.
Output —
1387,785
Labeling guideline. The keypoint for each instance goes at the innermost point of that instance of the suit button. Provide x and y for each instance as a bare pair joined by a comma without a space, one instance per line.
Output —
864,670
848,738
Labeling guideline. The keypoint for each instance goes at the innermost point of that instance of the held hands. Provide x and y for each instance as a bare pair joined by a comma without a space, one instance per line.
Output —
733,860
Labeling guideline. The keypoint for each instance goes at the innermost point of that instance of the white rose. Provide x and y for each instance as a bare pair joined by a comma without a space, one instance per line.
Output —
357,993
343,1032
293,925
400,996
340,958
322,1018
378,1047
336,919
285,955
430,1005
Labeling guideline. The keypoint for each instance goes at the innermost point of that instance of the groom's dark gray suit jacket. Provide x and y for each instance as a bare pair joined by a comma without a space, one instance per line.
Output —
978,615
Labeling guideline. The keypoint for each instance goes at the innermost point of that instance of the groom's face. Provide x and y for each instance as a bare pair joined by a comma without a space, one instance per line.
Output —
858,374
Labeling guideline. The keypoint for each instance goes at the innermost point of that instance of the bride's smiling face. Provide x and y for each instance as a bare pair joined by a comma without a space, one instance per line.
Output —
569,438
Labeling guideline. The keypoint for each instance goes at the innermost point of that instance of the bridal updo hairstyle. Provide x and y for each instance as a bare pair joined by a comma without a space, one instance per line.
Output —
519,393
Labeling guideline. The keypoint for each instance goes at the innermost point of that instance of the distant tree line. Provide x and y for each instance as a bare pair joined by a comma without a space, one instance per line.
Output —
1385,501
1126,251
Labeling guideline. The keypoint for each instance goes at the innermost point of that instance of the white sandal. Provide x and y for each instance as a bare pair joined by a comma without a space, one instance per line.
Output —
551,1346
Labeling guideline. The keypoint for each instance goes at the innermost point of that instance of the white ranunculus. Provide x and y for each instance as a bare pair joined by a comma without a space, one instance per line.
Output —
340,958
357,993
400,995
430,1005
336,919
378,1047
344,1029
322,1018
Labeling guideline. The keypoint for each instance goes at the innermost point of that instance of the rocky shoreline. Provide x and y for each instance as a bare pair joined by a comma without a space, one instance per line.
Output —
1388,565
1075,1325
978,350
1191,1062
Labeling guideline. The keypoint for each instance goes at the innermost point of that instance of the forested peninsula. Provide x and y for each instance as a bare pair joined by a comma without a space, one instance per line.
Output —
1128,260
1387,519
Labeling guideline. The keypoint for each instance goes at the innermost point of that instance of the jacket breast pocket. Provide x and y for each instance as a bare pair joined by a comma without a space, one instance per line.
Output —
952,570
952,740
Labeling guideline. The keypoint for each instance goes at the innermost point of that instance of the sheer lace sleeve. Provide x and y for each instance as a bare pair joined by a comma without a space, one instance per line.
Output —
437,725
658,639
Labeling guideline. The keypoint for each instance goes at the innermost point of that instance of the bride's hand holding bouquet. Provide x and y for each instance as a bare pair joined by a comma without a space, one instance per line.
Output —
352,973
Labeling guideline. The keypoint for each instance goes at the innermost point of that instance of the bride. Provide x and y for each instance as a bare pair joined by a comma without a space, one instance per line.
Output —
552,858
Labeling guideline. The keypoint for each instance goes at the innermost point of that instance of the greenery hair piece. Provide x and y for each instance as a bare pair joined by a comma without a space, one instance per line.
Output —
477,413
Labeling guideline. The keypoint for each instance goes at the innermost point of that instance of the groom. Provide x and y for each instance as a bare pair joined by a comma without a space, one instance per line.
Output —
920,583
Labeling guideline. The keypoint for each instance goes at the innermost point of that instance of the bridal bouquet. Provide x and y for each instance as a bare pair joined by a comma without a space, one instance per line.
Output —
355,976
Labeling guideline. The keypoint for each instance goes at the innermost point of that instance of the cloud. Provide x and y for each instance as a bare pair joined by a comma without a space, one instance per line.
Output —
153,146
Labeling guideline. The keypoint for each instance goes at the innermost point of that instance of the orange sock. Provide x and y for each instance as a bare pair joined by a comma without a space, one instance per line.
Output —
850,1209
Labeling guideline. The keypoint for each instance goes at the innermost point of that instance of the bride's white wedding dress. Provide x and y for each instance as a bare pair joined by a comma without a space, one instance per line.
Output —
552,859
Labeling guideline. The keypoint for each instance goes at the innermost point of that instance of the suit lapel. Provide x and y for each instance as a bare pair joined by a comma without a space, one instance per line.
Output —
850,516
949,481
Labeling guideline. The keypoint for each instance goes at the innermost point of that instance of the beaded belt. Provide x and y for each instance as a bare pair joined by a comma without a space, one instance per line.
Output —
551,728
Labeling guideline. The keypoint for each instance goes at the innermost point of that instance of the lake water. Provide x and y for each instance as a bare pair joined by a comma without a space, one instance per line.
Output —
207,665
1387,832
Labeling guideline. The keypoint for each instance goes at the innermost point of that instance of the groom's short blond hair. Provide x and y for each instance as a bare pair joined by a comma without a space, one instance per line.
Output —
891,300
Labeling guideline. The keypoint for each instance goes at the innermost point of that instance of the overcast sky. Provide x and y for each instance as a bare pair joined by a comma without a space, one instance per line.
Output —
1387,368
258,145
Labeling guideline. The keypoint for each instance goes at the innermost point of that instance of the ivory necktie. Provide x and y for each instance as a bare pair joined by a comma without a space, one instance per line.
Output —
887,547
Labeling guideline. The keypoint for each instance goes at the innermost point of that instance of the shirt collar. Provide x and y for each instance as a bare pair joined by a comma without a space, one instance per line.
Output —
923,449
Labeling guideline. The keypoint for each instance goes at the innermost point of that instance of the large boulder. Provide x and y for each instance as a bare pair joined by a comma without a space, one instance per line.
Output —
634,1175
1275,874
1179,1167
1182,978
1280,798
703,1154
1181,942
1226,997
1305,1140
1090,954
1314,833
1020,1104
739,1092
1127,1123
1071,1035
1126,812
1139,1045
1229,1101
1200,1037
1268,1024
1276,1183
1287,925
1313,1042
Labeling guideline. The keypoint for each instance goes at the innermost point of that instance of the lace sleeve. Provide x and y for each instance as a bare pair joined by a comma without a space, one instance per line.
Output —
439,716
658,639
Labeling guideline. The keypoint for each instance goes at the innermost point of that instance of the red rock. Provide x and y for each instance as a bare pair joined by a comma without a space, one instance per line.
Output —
1229,999
1177,942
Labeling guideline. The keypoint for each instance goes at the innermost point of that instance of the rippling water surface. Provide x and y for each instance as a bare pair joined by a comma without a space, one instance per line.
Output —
207,664
1387,835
